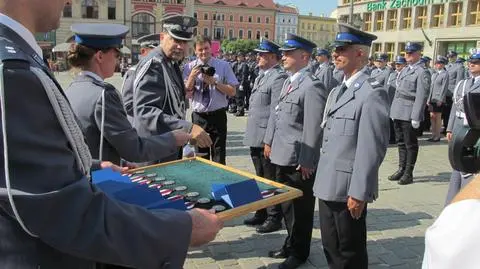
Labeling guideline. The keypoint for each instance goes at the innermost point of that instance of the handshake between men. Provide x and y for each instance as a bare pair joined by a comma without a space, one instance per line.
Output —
197,136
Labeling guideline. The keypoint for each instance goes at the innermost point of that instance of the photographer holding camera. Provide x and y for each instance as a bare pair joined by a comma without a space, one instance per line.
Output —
209,82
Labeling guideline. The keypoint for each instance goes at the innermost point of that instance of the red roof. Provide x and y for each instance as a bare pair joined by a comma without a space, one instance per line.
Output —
248,3
286,9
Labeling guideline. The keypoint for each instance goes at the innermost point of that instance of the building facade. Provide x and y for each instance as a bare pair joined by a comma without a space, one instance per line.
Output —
321,30
232,19
286,21
441,25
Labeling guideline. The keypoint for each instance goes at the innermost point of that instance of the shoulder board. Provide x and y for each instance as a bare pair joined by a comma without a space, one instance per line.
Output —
10,51
109,87
374,83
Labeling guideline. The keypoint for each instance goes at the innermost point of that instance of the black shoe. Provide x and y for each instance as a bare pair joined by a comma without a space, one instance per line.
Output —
278,254
255,220
269,227
406,179
291,262
397,175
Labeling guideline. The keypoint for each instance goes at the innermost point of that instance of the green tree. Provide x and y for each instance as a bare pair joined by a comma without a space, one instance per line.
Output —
239,45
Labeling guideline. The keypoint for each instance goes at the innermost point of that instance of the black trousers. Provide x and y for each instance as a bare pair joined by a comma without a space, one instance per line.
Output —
344,239
264,168
447,106
407,144
248,93
392,132
298,213
240,98
215,124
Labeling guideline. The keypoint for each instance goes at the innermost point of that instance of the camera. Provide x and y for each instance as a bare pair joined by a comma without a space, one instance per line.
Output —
207,70
464,149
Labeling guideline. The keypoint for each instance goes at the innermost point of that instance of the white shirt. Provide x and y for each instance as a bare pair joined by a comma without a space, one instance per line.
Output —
453,241
22,32
298,74
348,82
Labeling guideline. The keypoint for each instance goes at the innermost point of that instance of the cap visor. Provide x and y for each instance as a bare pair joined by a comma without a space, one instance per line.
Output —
180,37
260,50
287,49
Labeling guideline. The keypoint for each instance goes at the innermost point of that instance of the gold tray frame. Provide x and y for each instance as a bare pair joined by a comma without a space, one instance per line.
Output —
245,209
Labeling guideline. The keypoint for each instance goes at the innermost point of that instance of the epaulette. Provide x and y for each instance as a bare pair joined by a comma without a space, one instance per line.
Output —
10,52
109,87
374,83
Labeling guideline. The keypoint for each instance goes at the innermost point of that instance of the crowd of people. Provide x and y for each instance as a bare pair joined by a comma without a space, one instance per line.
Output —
309,126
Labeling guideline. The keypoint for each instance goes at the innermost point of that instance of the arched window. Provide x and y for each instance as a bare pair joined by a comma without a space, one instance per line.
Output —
258,35
142,24
67,10
240,34
231,17
230,34
112,9
89,9
266,34
205,16
249,34
267,20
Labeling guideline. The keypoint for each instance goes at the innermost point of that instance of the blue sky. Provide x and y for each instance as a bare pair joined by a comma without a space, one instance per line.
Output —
319,7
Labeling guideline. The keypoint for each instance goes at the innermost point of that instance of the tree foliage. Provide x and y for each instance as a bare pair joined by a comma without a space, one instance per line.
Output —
239,45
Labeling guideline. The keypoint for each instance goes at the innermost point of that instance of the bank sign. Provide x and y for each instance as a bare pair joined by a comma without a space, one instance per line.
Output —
394,4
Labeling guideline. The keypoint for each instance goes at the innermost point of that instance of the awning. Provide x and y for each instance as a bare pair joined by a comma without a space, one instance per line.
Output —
125,50
62,47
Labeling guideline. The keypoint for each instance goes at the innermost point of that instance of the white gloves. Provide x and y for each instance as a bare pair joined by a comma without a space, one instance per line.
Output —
415,124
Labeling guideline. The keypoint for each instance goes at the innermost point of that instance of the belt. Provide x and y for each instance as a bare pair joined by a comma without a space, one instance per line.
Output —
406,97
209,113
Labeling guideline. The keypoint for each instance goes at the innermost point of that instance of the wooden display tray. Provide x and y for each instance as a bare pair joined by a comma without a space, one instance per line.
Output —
289,194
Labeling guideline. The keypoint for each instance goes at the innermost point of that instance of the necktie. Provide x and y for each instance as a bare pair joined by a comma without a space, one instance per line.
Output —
289,88
205,89
341,91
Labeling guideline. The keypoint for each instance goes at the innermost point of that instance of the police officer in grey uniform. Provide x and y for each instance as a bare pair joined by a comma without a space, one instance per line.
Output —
264,99
159,91
407,111
292,142
456,72
323,71
391,87
50,214
147,43
457,119
371,65
382,72
98,105
355,125
436,99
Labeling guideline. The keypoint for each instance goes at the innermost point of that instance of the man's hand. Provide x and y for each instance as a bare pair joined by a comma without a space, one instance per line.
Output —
415,124
209,80
306,172
200,137
355,207
181,137
266,151
205,226
190,83
114,167
439,103
449,136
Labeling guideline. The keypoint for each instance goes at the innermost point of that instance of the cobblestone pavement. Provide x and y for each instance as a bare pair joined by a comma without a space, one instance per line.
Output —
396,222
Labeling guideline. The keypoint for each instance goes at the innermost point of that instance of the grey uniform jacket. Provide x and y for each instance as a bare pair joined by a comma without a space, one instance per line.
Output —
76,224
381,75
338,76
121,140
264,99
325,74
413,87
391,86
439,87
355,140
294,132
456,72
159,96
457,113
127,92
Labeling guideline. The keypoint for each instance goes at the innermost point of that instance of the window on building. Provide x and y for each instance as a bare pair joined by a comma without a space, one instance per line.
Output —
421,18
205,31
344,18
258,35
474,12
377,48
267,20
438,14
195,31
258,19
379,17
250,19
303,25
401,48
315,27
205,16
406,18
456,14
367,22
231,17
240,34
223,17
390,50
195,15
89,9
112,9
241,18
266,35
392,20
309,26
230,34
142,24
219,33
249,34
67,10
